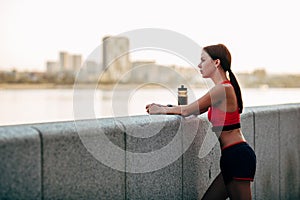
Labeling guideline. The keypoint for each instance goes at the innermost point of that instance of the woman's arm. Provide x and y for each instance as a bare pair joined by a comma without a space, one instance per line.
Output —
215,95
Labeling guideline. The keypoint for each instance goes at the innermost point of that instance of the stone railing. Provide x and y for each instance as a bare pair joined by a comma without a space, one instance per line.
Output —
54,161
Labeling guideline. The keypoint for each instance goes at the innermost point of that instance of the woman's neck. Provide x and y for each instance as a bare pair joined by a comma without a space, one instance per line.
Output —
218,77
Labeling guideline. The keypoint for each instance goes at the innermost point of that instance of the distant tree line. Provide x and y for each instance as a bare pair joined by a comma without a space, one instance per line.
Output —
260,78
257,78
35,77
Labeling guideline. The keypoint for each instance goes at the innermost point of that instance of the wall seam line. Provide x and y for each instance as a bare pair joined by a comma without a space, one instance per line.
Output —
42,160
279,155
125,165
182,163
125,158
254,146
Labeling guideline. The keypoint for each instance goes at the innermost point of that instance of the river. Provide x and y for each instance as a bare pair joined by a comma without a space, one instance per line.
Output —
47,105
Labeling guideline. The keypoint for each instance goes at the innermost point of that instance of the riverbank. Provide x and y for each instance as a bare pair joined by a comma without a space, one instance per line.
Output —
21,86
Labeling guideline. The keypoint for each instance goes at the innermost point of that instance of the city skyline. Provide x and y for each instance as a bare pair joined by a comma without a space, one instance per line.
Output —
259,34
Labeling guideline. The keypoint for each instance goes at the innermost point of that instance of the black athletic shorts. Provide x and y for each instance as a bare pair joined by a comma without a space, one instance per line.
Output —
238,162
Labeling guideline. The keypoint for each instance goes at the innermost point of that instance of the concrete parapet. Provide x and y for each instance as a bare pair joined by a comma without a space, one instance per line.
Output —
70,170
145,157
289,148
266,120
20,163
146,176
200,162
247,126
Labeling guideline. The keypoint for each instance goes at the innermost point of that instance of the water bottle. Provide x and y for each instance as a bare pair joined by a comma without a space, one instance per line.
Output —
182,96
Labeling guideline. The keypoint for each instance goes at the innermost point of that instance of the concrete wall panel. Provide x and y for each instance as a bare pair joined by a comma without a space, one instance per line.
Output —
289,152
247,126
156,180
200,162
266,122
64,160
70,170
20,163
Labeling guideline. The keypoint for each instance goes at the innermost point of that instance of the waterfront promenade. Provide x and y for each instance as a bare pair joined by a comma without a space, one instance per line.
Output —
63,160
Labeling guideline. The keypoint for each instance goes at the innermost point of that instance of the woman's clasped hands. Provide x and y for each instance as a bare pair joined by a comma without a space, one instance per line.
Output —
156,108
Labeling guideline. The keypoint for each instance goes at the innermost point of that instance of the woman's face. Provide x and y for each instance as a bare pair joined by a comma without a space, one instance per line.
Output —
207,65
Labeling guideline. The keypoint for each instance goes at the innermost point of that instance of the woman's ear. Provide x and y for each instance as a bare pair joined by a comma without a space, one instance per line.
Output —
217,62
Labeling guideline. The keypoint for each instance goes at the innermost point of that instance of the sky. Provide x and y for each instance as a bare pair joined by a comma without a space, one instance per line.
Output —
258,33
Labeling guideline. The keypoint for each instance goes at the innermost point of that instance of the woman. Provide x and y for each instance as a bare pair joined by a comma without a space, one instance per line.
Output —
224,105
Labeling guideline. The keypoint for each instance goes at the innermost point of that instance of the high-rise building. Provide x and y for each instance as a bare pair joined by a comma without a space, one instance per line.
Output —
52,67
65,61
69,62
116,61
76,62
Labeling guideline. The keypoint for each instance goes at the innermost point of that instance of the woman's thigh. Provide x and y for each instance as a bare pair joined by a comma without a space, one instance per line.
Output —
239,190
217,190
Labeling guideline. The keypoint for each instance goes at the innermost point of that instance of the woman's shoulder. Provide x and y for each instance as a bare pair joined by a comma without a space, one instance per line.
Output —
217,93
222,87
222,91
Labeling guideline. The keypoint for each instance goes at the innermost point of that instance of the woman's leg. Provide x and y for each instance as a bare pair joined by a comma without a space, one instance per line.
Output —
217,190
239,190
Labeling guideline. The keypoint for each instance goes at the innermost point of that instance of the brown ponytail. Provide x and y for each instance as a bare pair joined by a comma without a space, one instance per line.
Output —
237,90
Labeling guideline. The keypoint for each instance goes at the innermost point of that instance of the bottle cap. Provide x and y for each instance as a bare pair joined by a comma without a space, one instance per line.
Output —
182,88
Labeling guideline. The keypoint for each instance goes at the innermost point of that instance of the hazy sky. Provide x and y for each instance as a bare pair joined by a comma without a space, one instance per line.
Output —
259,33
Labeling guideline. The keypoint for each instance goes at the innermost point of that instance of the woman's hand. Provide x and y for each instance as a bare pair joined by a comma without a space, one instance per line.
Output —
155,109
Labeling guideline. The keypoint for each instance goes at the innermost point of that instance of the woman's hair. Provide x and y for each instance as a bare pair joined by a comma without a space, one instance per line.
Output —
221,52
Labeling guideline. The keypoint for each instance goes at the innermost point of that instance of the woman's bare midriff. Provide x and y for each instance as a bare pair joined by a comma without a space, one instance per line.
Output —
228,138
